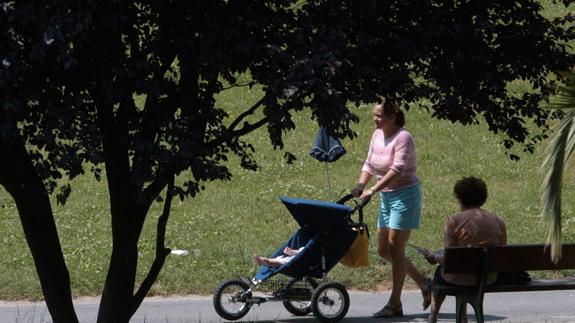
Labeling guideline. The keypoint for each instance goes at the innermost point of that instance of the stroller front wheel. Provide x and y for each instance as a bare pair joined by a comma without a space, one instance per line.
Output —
230,299
330,302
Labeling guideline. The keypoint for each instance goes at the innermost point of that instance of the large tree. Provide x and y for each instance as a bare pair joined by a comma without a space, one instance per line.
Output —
37,137
75,69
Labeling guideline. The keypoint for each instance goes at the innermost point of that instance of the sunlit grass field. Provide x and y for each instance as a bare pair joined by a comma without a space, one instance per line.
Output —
229,221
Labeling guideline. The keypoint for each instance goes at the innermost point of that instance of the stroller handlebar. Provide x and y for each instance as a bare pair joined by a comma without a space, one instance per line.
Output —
344,199
363,203
358,205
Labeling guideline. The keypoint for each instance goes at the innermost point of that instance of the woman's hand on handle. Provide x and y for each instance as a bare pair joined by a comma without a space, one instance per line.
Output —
364,178
357,190
366,194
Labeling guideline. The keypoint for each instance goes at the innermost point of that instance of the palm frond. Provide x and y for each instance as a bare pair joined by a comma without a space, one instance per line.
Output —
553,182
559,151
564,99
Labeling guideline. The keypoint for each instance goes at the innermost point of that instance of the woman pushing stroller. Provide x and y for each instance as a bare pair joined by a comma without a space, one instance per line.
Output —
326,233
391,160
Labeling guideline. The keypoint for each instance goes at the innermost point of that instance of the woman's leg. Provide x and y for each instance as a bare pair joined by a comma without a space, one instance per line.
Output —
397,240
391,246
383,251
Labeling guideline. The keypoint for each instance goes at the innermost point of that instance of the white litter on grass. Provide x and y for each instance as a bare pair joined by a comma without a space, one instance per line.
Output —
178,252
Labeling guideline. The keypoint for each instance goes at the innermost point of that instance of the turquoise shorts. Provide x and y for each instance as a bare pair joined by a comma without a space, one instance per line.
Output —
400,209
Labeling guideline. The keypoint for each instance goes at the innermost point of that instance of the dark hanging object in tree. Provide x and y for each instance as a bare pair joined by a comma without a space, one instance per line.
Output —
326,148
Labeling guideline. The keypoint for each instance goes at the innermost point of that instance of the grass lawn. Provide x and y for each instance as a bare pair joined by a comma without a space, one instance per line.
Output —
229,221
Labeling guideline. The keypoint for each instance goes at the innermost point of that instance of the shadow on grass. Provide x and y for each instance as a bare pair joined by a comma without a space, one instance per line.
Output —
407,318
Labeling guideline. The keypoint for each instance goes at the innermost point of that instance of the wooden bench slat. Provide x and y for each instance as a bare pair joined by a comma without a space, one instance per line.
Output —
535,285
507,258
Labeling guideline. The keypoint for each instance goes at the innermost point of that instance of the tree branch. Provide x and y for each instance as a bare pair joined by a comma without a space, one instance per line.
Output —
155,188
237,85
161,251
245,114
247,128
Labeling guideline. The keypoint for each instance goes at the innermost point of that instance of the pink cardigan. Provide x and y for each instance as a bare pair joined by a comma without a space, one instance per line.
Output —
397,153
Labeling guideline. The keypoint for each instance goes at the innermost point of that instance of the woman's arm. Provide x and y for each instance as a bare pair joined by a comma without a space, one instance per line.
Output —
379,185
449,240
364,178
435,257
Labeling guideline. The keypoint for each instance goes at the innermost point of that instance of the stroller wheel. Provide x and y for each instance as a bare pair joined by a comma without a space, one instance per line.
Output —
330,302
230,299
299,305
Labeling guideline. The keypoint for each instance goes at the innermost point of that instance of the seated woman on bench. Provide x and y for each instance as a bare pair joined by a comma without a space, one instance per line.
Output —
472,226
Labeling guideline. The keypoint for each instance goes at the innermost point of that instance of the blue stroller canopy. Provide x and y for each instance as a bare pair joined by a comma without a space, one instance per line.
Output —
326,231
316,213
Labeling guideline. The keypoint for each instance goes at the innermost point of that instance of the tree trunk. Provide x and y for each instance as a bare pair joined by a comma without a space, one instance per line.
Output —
127,221
127,217
117,297
18,176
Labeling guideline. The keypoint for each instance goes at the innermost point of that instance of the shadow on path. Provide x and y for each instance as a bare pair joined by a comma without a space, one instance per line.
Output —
407,318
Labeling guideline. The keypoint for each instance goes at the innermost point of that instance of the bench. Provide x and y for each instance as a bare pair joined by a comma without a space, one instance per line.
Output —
508,258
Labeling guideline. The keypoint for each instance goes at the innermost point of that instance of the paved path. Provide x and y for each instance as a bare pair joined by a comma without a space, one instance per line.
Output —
556,306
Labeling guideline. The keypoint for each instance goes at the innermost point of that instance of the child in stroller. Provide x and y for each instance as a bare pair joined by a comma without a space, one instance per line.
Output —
326,232
287,256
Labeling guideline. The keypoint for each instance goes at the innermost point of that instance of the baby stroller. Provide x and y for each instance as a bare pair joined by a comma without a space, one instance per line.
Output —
326,233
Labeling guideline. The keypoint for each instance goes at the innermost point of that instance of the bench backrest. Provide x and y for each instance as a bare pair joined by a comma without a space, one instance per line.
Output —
506,258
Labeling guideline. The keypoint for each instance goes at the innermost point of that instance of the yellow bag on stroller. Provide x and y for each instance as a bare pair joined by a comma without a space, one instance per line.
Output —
358,254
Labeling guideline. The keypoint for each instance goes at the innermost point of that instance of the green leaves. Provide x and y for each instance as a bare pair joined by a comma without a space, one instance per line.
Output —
559,151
